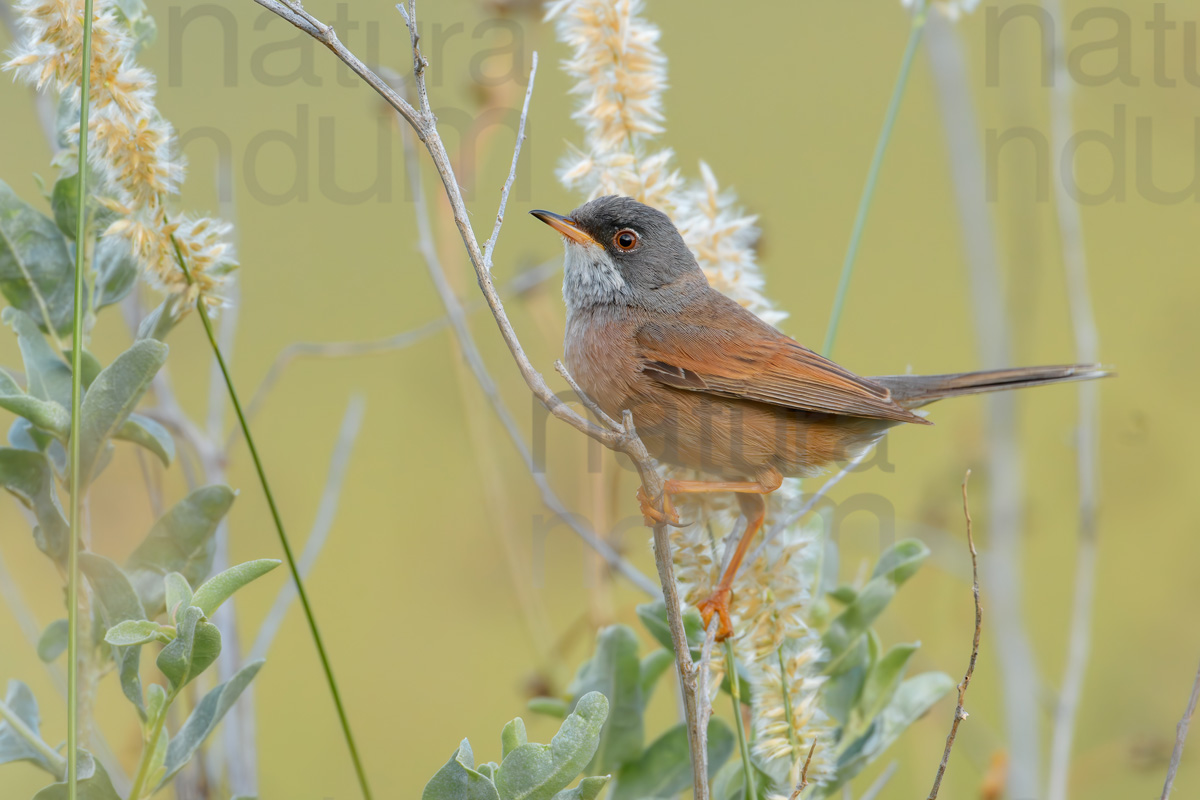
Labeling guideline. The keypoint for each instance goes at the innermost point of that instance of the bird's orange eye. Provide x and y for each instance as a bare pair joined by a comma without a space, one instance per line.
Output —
625,239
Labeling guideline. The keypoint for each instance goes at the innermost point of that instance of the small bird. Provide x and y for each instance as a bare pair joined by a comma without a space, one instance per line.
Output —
711,386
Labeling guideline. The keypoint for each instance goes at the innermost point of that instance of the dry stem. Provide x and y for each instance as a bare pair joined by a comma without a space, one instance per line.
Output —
621,437
960,712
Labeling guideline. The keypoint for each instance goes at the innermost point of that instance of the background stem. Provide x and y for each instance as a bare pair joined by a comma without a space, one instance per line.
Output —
76,403
864,203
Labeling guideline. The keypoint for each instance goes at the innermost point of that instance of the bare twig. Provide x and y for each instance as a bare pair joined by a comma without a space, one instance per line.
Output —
623,439
1087,348
803,782
1181,732
1014,652
470,351
960,712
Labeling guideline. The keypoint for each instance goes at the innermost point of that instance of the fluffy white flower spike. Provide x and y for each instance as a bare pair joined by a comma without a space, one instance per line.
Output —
130,146
620,74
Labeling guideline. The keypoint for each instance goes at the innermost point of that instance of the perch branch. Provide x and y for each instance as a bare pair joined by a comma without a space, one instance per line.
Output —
622,439
1181,732
960,712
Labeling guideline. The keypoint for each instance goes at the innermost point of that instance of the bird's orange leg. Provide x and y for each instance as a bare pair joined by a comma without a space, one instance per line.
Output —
750,497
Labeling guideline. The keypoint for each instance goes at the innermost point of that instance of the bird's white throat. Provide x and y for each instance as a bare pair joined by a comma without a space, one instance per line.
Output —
590,277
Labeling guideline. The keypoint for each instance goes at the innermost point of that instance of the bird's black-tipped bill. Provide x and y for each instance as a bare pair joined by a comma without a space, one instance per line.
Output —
564,225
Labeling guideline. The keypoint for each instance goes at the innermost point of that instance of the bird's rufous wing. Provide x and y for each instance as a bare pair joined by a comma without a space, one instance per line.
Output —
747,359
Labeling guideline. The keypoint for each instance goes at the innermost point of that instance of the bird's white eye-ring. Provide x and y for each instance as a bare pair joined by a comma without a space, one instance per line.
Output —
625,239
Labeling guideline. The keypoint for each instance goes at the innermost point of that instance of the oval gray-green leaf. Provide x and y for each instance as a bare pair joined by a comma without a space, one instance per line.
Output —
53,640
118,602
142,430
47,376
512,737
217,589
180,541
615,672
665,768
28,476
459,780
177,593
116,271
204,719
13,747
588,789
45,414
37,272
113,396
132,632
540,771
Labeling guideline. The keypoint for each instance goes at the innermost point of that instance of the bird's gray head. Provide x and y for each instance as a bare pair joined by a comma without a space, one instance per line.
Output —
622,252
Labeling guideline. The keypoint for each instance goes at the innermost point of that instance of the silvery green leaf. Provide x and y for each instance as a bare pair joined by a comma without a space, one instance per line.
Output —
459,780
897,564
540,771
180,541
53,641
840,694
116,271
47,375
912,699
27,475
665,768
45,414
588,789
133,632
615,672
177,593
217,589
13,746
149,434
196,646
93,783
118,602
112,397
37,271
159,322
512,737
205,717
884,678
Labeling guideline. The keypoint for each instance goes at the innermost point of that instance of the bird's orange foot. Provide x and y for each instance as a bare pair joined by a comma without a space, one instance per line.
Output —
717,603
651,515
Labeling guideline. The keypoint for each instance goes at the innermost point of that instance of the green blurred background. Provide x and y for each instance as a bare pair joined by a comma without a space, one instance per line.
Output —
413,589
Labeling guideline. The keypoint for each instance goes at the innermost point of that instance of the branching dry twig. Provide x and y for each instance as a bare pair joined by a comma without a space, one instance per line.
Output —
960,712
1181,732
803,783
621,438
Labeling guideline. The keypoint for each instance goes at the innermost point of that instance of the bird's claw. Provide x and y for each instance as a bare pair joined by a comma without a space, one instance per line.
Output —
652,516
717,603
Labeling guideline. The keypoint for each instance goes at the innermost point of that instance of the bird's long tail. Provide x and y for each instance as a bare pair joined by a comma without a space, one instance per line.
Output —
914,391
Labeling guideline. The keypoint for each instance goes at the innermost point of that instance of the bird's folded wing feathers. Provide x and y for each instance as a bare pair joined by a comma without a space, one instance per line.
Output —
764,366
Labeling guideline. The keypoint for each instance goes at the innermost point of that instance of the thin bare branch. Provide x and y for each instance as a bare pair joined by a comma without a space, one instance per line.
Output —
624,440
1181,732
960,712
1019,673
802,784
470,351
512,170
339,463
